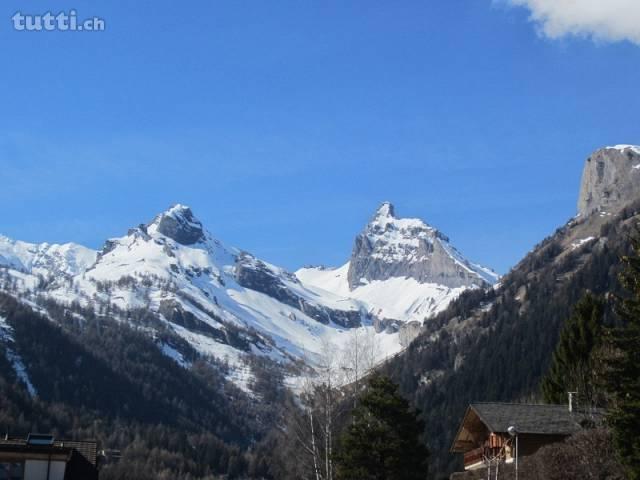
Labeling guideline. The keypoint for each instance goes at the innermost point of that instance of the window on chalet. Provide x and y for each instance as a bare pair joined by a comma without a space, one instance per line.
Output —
11,471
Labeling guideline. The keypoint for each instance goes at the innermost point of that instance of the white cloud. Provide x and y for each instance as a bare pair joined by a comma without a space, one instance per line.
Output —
603,20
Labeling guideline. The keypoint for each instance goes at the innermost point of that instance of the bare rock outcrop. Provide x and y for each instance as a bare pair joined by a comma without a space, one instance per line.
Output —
407,247
611,180
179,224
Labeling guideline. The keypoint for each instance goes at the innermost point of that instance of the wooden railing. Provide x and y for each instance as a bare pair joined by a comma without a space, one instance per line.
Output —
473,456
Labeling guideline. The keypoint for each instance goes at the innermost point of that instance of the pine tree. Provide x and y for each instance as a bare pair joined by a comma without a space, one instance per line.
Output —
384,440
624,368
572,365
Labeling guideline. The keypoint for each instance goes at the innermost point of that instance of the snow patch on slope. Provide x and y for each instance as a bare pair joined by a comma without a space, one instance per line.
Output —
6,336
579,243
174,354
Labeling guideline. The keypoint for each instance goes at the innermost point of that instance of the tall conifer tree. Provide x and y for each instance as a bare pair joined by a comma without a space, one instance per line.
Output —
624,368
384,441
572,366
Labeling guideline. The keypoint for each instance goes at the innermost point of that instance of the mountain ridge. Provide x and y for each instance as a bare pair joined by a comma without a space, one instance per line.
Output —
223,301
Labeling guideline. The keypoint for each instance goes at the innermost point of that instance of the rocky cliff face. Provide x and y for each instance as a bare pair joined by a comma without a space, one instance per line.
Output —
179,224
611,179
254,274
406,247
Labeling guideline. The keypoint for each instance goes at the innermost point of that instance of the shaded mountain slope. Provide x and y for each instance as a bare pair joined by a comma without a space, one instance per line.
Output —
496,344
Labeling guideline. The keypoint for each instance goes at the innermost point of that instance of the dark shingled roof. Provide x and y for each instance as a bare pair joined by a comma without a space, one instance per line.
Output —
88,449
529,419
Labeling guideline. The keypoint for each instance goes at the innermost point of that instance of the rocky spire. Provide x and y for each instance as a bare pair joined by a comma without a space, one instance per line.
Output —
408,247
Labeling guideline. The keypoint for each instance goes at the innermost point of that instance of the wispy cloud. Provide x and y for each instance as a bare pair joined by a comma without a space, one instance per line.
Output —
601,20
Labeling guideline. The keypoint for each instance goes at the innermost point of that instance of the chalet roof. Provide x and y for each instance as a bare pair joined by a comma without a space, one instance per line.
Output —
528,418
482,419
88,449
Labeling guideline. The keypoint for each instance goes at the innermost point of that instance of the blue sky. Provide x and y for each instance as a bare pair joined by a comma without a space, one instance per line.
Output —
284,124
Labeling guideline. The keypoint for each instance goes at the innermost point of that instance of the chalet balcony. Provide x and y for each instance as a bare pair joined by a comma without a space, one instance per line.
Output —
474,459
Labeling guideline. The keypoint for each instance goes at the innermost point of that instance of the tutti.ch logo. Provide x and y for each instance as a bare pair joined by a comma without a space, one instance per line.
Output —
62,22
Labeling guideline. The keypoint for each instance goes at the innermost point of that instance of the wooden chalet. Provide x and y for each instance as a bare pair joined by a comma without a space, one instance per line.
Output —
483,435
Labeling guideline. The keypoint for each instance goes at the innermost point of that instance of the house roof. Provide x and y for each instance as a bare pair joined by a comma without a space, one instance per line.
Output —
21,448
88,449
528,418
482,419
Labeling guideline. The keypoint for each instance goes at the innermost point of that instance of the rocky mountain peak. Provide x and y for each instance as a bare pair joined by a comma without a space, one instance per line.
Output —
179,224
385,223
392,247
610,180
385,210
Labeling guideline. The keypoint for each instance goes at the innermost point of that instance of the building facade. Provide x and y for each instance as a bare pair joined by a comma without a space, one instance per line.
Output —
40,457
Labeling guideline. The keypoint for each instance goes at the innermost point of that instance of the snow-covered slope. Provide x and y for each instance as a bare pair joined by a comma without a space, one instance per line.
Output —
398,298
6,340
201,288
45,259
228,304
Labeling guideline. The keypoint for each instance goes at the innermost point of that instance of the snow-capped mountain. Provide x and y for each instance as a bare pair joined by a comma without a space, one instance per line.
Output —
407,247
401,269
228,304
60,260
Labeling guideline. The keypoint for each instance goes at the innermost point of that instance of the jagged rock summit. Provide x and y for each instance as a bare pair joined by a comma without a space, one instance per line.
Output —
392,247
611,179
179,224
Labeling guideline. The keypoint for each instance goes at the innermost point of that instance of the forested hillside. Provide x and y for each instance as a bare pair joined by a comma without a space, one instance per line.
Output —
495,345
97,378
